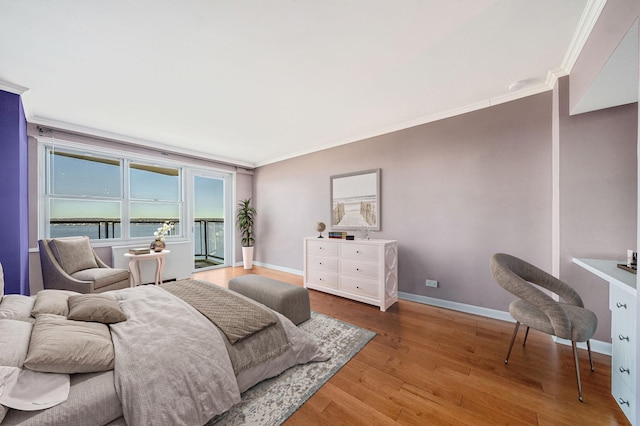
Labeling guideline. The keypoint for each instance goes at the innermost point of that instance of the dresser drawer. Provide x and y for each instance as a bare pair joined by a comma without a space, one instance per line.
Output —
361,287
322,278
360,251
321,248
328,264
360,269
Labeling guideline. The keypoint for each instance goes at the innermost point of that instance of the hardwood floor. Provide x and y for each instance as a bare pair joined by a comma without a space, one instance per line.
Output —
433,366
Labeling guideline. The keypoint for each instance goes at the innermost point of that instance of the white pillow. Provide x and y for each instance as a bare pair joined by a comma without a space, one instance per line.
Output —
1,286
14,342
17,307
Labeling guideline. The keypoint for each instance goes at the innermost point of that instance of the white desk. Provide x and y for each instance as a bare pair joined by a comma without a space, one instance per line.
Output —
622,304
134,265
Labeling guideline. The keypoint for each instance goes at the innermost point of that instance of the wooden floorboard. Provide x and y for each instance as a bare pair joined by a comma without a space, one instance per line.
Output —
433,366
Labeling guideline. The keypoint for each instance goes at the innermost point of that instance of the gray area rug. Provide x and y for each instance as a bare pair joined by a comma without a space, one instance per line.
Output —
272,401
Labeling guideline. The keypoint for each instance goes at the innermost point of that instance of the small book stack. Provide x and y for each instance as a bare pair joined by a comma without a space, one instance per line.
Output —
338,235
140,251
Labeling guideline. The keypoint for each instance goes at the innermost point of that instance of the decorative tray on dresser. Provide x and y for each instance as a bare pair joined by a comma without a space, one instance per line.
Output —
362,270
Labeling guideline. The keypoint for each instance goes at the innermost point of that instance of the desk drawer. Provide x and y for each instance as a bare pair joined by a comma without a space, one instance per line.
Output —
622,305
623,359
623,396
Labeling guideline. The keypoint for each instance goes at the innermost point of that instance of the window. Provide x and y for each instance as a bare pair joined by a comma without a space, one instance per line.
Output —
107,197
84,195
154,198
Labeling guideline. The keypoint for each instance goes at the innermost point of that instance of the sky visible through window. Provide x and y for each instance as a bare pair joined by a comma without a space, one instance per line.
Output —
209,197
95,178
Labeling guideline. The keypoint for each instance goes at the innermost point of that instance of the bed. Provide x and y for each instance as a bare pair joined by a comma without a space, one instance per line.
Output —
147,355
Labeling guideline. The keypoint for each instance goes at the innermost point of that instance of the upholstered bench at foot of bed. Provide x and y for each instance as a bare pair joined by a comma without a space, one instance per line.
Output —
288,299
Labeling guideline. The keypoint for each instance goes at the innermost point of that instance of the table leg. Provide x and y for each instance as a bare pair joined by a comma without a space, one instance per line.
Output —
159,269
135,273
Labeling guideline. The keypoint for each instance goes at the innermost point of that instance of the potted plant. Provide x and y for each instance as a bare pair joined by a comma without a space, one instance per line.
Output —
158,244
245,218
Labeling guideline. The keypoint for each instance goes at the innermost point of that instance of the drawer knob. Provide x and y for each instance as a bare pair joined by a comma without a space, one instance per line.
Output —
357,269
621,337
621,305
624,370
358,251
320,263
622,402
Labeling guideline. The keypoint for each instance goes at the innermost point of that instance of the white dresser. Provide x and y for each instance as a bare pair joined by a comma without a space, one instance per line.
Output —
622,303
362,270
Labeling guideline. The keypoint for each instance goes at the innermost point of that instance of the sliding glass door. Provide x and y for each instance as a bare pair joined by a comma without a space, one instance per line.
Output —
211,230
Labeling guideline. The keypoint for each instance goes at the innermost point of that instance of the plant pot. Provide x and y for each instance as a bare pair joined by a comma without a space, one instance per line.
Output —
157,245
247,257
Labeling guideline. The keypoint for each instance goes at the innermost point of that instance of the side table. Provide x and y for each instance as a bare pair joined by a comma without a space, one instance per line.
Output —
134,265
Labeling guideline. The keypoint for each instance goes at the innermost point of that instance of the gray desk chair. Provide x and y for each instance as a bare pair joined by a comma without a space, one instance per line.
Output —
536,309
70,263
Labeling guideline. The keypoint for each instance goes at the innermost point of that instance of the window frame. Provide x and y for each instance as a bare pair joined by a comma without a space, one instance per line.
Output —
126,159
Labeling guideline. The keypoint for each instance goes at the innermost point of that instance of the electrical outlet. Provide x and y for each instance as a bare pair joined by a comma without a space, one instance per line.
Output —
432,283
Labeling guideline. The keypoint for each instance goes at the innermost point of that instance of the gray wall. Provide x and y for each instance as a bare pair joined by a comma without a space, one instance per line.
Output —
453,193
458,190
598,196
243,187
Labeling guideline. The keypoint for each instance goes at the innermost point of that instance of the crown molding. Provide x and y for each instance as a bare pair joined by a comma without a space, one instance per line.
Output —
522,93
117,137
12,88
23,92
585,26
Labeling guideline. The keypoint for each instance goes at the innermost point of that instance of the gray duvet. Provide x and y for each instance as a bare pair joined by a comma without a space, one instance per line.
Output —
174,369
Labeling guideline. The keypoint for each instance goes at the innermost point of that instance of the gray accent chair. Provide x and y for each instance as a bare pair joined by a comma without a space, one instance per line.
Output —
70,263
567,319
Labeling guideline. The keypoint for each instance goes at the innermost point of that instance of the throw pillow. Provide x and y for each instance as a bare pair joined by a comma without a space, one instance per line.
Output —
95,307
17,307
59,345
52,302
73,254
1,286
14,342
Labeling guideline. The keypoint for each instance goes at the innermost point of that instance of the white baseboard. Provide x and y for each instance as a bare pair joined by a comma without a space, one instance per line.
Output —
275,267
596,345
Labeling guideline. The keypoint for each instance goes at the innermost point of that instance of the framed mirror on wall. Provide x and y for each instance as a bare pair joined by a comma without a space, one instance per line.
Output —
355,200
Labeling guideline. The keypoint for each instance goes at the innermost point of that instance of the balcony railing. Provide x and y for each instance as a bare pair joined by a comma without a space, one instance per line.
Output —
208,234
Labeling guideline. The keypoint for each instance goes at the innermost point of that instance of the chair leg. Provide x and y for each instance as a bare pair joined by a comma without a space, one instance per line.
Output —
526,334
513,339
590,358
575,360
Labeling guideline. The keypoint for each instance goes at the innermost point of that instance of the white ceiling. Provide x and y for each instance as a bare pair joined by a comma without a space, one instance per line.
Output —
257,81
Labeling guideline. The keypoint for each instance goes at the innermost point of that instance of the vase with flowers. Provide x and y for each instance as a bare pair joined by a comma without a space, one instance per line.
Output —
158,244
